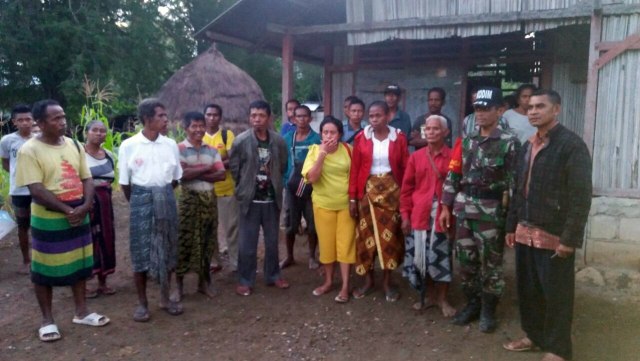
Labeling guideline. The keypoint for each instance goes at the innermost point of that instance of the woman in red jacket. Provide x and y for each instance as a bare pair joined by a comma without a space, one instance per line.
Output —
379,159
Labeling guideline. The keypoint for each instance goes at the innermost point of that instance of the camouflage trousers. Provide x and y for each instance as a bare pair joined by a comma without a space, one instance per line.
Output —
480,247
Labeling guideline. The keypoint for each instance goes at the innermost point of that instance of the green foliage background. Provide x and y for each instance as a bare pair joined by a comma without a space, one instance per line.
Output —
47,47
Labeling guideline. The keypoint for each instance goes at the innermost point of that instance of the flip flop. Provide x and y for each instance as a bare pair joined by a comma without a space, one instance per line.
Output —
361,292
319,291
49,333
521,345
141,314
392,295
340,299
174,308
92,319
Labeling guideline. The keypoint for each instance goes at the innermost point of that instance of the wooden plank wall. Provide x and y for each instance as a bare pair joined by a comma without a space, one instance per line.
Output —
617,135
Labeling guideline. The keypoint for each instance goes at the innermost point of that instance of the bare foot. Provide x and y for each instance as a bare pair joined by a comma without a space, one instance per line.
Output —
552,357
25,269
446,308
319,291
420,306
176,296
313,263
207,290
287,262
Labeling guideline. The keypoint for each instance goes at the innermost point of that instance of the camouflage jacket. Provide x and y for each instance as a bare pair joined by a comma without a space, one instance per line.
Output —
488,169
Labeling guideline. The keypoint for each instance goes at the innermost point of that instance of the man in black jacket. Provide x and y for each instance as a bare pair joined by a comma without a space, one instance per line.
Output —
546,224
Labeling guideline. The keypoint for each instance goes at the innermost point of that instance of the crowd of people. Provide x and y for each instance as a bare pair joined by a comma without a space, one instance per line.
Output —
390,194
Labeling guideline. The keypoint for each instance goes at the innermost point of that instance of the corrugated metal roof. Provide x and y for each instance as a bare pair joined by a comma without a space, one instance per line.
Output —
377,11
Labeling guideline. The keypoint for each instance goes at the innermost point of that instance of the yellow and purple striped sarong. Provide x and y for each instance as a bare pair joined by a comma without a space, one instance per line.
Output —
61,255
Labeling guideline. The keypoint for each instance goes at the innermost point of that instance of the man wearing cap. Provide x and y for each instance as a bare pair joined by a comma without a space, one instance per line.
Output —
399,119
479,197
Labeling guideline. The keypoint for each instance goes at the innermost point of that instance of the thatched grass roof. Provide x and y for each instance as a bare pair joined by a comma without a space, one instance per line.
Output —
210,78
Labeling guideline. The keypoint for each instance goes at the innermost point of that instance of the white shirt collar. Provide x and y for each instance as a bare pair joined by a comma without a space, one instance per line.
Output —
368,132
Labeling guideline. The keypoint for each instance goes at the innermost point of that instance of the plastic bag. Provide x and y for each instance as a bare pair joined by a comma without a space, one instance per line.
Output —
7,224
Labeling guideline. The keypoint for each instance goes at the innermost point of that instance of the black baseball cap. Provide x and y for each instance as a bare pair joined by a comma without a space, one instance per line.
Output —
488,97
393,88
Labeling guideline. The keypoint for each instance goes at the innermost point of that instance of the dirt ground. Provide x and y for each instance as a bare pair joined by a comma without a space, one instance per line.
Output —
292,324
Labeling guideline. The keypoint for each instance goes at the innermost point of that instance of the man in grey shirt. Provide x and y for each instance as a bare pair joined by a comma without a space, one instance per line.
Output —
20,196
258,161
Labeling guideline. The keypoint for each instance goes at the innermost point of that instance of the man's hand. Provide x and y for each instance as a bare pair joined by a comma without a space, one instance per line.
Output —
564,251
406,227
510,239
353,209
445,218
76,215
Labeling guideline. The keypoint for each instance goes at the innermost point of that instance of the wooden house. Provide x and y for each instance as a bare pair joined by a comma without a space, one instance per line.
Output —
589,51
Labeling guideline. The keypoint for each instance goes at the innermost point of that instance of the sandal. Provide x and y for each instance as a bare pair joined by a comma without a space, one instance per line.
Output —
107,291
319,291
341,299
91,293
280,283
521,345
141,314
49,333
174,308
392,295
92,319
361,292
243,290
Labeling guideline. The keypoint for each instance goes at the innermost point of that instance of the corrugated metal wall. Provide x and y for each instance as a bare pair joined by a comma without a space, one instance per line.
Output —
384,10
369,85
573,96
617,136
341,83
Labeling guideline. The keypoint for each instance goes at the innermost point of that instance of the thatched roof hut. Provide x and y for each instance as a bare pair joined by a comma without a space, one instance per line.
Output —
210,78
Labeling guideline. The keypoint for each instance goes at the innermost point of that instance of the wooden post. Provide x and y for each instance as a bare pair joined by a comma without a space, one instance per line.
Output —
327,83
287,72
592,81
546,76
464,55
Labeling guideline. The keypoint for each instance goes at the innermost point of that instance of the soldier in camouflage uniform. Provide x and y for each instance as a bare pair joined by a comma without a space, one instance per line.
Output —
479,195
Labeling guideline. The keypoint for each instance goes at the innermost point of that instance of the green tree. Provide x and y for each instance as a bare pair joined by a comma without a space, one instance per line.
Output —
48,46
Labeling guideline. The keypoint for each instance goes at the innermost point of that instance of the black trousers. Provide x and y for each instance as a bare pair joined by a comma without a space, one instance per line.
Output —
545,294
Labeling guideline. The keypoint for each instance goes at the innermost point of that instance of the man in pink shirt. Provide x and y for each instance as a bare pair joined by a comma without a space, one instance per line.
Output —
428,251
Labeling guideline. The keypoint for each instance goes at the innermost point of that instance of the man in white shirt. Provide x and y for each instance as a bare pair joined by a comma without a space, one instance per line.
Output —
149,165
20,196
517,117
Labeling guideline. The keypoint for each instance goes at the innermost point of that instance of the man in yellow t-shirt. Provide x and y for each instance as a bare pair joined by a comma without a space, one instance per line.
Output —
222,139
54,169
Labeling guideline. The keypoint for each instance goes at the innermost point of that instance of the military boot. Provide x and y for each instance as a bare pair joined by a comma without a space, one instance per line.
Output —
469,313
488,321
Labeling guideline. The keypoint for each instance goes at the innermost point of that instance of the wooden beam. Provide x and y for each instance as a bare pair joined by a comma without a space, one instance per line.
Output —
619,48
546,76
619,193
229,39
592,82
287,72
260,48
327,83
608,45
464,57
